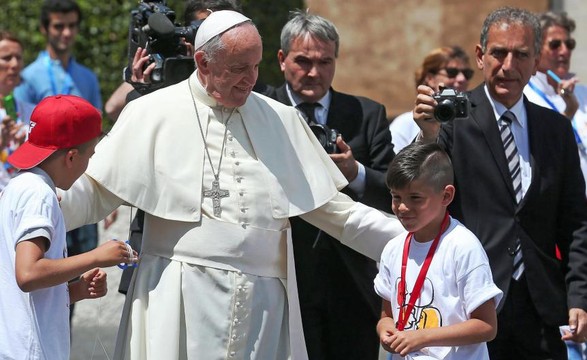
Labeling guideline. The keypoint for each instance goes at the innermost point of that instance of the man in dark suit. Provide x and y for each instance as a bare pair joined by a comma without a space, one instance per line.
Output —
535,198
339,307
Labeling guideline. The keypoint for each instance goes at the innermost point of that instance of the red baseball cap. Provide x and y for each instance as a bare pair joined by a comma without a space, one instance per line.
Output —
57,122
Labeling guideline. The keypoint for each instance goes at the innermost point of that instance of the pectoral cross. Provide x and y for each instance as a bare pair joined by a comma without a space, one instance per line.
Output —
216,194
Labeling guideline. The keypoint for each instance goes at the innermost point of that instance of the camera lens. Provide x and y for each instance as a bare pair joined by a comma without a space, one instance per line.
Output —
156,75
445,111
326,137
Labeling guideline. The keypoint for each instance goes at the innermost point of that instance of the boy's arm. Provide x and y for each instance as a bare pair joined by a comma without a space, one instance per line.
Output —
386,326
86,202
362,228
33,271
480,328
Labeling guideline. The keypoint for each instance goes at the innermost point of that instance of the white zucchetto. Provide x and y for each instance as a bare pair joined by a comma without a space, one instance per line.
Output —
217,23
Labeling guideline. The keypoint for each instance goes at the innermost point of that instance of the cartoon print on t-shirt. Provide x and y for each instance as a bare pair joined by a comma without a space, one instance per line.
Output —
424,315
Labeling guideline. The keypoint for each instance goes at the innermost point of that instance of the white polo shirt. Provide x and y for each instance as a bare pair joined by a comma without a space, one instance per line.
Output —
33,325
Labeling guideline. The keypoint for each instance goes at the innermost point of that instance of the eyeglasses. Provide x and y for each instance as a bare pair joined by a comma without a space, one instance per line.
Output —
453,72
556,43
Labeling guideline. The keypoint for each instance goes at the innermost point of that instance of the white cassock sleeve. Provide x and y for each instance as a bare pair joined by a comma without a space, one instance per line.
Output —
360,227
87,202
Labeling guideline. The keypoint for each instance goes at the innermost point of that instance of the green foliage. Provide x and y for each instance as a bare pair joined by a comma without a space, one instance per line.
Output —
102,42
270,16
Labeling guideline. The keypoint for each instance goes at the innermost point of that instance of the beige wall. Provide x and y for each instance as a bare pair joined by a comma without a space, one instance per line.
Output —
578,11
383,41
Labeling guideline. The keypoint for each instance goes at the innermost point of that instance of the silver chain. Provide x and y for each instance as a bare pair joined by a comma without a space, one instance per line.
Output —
216,174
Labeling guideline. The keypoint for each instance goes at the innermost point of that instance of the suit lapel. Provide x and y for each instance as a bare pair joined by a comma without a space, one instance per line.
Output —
281,95
342,113
482,114
536,145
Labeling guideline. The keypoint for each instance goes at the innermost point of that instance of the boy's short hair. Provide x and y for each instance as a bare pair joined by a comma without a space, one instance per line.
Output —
428,162
57,122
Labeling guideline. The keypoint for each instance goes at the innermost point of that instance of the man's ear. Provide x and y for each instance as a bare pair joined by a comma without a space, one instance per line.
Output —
479,56
201,62
43,30
281,59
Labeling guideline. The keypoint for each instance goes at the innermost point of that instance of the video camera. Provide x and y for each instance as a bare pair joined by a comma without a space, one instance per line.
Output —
152,27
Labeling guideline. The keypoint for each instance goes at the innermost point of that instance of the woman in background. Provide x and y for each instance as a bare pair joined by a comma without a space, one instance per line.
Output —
446,66
14,114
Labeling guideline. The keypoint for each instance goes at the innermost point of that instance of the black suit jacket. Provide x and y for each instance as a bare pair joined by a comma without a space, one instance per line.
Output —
552,212
363,125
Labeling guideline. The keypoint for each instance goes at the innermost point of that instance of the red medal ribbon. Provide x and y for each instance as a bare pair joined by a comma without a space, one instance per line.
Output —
404,314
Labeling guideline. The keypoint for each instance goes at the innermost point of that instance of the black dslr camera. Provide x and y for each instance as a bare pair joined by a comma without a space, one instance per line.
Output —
452,105
152,27
326,137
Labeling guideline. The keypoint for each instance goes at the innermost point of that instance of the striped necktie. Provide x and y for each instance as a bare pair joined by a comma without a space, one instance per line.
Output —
513,159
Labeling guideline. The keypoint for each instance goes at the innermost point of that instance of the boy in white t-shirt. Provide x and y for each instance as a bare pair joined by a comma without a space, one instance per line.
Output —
439,298
34,267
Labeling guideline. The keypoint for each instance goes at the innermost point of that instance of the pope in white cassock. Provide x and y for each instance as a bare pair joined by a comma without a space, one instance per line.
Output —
218,171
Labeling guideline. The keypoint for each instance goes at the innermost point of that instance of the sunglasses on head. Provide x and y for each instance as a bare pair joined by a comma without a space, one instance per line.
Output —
555,44
453,72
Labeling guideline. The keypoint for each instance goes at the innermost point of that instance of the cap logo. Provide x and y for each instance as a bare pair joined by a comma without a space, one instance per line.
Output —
31,126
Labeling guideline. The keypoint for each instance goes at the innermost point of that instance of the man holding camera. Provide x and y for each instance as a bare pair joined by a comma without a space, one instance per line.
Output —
341,300
520,190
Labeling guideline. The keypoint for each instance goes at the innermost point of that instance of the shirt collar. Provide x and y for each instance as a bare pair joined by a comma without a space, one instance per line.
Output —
296,99
498,109
541,79
43,175
45,54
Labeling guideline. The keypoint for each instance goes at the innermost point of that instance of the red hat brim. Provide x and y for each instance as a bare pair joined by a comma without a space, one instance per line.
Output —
27,155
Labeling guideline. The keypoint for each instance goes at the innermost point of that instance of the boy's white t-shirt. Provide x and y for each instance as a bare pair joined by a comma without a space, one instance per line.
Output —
33,325
458,281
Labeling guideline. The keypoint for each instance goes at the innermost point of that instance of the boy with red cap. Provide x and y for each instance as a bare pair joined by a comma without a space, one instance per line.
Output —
34,267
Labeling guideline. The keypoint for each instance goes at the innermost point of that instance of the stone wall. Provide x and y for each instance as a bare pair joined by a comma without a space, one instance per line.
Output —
383,41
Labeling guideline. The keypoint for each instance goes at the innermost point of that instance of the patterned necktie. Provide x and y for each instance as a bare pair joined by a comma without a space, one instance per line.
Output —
513,159
309,109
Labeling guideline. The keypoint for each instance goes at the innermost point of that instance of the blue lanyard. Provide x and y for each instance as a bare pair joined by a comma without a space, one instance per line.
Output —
553,107
67,85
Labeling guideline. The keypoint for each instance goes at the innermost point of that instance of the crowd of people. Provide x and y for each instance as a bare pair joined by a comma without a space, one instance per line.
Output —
264,236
